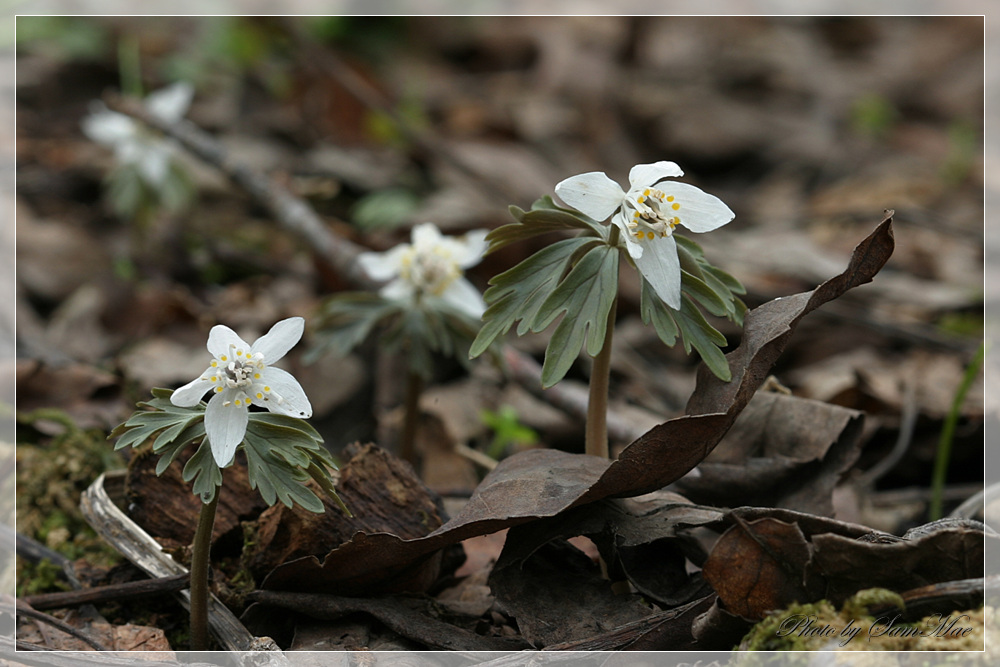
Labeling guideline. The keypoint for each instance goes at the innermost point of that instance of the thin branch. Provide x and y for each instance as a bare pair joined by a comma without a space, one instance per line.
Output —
24,610
293,213
111,593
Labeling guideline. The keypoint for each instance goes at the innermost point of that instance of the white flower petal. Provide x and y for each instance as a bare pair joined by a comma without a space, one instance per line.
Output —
397,290
219,340
294,403
383,265
470,249
279,340
170,103
699,211
189,395
662,269
425,235
645,175
225,426
464,297
631,244
592,194
108,127
154,163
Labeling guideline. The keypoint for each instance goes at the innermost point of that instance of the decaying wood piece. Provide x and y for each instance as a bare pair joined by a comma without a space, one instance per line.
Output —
158,504
383,493
112,524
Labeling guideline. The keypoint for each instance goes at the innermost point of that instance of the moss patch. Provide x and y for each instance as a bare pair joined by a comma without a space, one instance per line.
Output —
819,626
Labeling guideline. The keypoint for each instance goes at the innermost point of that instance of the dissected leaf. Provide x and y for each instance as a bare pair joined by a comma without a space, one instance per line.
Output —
276,477
518,293
585,296
345,320
542,482
543,217
201,468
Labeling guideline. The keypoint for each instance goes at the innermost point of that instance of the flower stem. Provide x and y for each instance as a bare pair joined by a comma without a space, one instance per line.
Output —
408,438
597,404
199,574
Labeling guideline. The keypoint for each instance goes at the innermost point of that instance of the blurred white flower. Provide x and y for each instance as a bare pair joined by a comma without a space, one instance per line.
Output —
241,374
431,266
133,143
647,217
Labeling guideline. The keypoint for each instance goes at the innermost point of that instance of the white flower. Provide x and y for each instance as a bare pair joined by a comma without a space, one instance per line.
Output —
131,141
431,267
647,217
241,374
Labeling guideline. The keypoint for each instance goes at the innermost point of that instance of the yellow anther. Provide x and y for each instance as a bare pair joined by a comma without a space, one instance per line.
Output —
650,235
645,193
266,388
256,376
223,358
260,395
640,199
670,198
215,364
218,389
215,378
675,206
639,234
238,402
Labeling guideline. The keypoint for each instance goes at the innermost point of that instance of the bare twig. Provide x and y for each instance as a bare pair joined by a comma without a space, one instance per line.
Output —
98,594
25,610
290,211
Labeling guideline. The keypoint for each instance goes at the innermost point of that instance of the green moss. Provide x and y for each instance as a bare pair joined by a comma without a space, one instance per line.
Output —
818,626
50,479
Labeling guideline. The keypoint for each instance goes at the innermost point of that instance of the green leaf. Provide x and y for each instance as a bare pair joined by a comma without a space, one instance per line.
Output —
517,293
654,310
204,471
543,217
384,209
346,320
690,324
732,284
285,421
274,477
704,294
321,474
586,296
697,332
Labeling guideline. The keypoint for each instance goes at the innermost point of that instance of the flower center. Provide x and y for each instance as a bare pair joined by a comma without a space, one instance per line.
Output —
242,371
651,213
430,271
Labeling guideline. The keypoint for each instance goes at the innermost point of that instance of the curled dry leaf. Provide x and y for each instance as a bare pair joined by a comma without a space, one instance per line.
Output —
767,564
783,451
542,483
